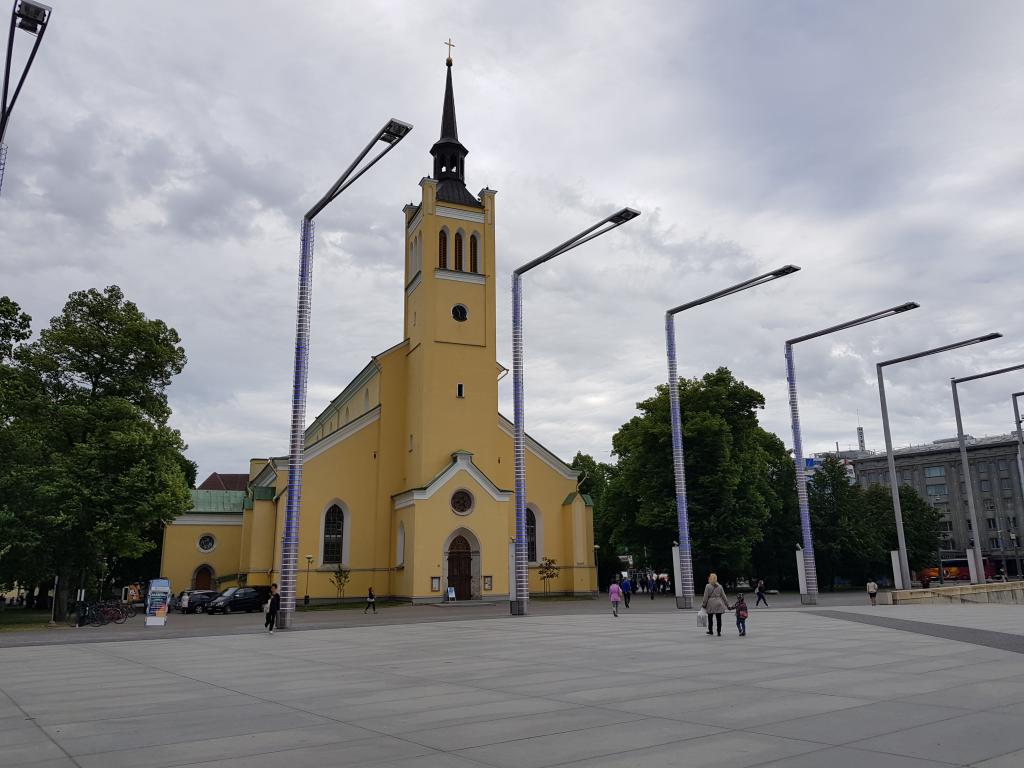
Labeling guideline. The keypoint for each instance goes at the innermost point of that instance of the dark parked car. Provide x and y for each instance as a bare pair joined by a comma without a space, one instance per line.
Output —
235,600
197,600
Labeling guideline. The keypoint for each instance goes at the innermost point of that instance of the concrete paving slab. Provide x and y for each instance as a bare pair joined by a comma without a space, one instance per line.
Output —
803,689
844,757
621,739
725,750
961,741
465,735
186,751
860,723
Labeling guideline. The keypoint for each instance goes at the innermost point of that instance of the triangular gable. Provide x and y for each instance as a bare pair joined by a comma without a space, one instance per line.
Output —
462,461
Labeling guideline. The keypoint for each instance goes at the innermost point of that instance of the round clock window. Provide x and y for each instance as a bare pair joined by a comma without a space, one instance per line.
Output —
460,313
207,543
462,502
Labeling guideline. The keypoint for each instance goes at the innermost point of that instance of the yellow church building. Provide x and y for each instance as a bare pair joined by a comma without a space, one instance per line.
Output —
406,474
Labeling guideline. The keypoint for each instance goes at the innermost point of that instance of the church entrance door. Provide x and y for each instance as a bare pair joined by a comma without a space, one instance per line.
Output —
204,577
460,568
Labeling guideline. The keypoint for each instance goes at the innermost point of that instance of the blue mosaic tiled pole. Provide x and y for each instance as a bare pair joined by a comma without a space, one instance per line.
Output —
810,569
519,591
685,599
290,543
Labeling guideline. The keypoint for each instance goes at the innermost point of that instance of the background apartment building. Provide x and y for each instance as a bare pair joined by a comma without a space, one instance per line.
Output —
934,470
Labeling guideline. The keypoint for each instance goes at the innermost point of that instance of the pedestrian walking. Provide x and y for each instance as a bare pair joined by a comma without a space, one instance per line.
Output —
273,606
615,595
760,594
627,588
371,601
715,602
741,615
872,591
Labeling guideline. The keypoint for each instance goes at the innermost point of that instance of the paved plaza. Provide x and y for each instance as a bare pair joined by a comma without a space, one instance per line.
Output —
572,688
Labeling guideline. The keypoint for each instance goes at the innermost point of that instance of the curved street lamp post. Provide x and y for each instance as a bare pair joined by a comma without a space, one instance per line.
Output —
978,572
685,597
519,592
33,18
391,134
810,597
894,486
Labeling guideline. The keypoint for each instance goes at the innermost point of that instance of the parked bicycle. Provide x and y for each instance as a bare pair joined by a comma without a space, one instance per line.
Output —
99,614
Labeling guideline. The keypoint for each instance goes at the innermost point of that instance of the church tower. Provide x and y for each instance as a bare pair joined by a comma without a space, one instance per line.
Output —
452,394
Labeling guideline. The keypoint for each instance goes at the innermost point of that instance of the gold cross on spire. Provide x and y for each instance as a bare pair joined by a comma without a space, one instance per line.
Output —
450,45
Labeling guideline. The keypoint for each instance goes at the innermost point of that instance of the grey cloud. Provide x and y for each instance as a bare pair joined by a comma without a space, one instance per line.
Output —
875,145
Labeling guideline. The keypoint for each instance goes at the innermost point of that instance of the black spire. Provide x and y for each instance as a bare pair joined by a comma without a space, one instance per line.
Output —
449,154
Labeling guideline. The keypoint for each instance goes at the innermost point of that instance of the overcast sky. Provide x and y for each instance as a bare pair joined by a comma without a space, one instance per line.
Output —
172,148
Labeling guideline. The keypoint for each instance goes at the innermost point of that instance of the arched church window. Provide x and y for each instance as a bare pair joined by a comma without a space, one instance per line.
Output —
442,250
458,251
531,536
334,527
474,254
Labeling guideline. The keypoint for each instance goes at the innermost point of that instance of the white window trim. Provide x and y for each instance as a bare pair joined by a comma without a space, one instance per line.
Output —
346,530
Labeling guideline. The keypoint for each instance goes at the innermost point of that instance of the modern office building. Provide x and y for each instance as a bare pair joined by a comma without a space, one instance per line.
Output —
934,470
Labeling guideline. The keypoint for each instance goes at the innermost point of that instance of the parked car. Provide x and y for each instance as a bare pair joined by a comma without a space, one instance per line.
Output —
235,600
197,600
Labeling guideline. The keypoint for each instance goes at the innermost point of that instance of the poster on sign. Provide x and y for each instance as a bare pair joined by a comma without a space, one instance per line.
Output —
157,602
451,594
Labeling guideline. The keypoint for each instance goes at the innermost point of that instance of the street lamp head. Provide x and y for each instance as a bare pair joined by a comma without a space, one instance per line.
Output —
309,558
394,131
989,337
31,15
789,269
906,307
621,217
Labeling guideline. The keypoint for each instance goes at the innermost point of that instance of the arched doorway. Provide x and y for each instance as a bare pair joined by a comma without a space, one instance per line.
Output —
460,568
203,578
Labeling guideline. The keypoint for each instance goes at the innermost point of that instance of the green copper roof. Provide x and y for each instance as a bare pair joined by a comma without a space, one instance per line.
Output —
217,502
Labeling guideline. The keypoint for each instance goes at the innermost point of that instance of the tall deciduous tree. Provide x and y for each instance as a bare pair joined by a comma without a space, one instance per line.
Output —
97,468
733,475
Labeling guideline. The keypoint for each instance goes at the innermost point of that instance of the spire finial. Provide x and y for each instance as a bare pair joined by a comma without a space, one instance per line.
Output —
450,45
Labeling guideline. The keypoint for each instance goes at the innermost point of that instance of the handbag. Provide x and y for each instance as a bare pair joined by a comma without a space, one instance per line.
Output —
702,617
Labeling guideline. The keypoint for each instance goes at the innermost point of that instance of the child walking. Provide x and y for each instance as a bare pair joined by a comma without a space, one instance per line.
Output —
615,595
371,601
741,615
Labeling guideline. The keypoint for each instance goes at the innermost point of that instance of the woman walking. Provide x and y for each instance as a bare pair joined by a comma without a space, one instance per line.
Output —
273,606
715,603
615,595
371,601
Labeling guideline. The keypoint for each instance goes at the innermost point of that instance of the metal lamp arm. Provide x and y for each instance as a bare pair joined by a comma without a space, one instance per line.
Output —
767,277
568,245
344,181
859,321
5,108
962,379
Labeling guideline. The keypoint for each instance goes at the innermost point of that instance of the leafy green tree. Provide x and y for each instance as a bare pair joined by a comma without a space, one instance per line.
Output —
774,556
339,578
548,570
845,539
920,525
730,470
96,468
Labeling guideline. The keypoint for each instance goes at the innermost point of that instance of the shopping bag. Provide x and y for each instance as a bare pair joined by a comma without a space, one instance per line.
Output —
702,617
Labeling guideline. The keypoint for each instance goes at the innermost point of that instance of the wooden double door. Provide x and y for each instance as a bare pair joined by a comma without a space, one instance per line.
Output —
460,568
